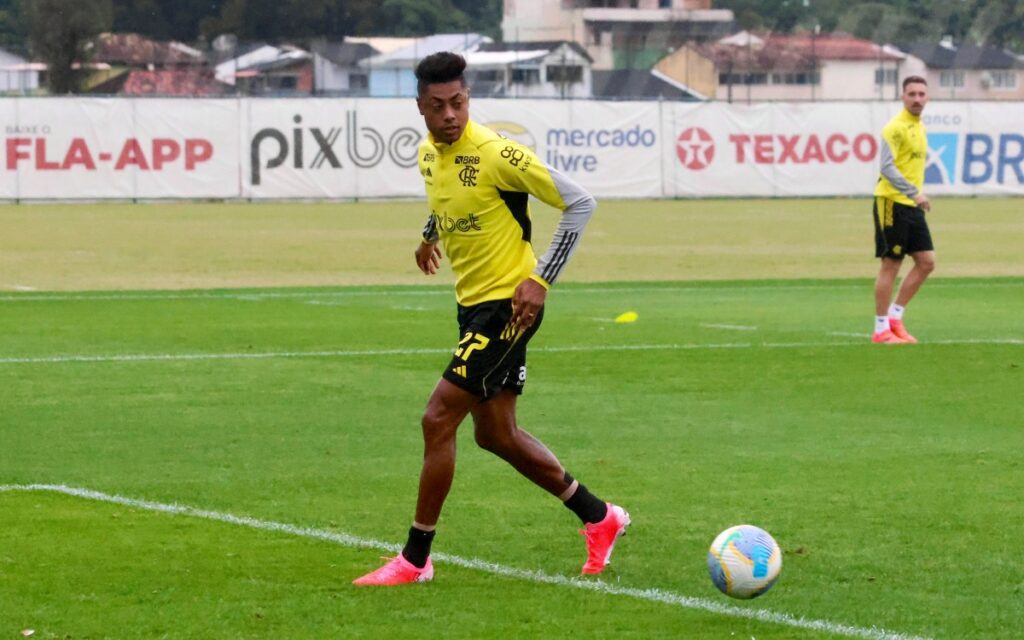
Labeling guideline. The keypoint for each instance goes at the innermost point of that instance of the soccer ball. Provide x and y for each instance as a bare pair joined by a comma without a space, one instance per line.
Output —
744,561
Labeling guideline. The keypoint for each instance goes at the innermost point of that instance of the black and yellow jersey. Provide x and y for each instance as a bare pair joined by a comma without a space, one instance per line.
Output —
903,152
478,191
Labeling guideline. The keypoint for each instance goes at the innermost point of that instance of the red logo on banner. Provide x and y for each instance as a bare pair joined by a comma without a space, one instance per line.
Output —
695,148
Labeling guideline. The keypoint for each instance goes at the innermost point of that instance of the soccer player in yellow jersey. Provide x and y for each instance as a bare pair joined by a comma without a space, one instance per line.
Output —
478,185
899,213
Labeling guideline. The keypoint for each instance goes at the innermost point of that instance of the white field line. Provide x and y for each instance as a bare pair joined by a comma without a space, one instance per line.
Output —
301,295
347,540
728,327
849,334
358,353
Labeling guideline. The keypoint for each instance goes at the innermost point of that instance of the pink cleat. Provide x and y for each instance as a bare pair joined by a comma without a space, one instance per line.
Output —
601,537
887,337
398,570
896,326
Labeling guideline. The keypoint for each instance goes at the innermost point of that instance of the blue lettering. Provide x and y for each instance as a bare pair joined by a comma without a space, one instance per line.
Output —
577,137
971,157
1014,162
571,162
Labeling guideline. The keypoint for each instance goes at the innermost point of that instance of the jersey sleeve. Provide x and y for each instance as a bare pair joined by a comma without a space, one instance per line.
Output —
892,140
519,169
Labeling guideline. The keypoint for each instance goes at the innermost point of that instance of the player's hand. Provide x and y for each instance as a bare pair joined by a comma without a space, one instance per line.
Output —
428,257
527,302
922,201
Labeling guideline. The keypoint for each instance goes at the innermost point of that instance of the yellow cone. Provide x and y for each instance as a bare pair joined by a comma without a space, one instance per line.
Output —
629,316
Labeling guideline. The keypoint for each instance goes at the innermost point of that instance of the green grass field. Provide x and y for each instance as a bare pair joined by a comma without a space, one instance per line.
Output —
184,458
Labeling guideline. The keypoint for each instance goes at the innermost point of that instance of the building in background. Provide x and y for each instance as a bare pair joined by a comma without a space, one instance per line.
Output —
336,69
132,64
967,71
747,67
263,69
392,74
558,69
618,34
18,75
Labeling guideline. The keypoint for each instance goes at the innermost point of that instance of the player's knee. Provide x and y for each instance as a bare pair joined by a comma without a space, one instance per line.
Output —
437,426
491,440
926,264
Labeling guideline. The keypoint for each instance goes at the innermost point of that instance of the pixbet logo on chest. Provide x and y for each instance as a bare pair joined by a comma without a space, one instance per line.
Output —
450,224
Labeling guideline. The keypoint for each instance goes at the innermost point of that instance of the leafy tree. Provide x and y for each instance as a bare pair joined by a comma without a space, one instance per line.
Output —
482,16
277,20
164,19
999,23
58,33
12,27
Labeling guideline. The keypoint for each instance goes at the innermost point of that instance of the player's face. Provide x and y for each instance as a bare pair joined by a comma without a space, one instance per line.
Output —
445,109
915,96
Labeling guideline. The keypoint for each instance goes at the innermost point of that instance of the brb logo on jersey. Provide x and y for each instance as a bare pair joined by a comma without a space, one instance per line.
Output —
695,148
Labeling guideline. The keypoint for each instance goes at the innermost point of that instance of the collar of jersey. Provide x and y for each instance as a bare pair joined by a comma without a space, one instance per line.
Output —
906,115
463,140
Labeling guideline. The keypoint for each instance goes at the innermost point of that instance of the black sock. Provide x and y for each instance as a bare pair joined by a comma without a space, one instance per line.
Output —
586,505
417,549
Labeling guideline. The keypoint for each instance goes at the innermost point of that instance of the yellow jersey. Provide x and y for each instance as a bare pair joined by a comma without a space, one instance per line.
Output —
902,155
478,192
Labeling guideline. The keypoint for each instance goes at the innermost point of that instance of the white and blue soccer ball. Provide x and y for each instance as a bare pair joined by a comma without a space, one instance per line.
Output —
744,561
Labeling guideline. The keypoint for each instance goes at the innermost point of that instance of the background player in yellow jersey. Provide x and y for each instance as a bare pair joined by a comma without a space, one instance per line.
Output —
478,185
899,213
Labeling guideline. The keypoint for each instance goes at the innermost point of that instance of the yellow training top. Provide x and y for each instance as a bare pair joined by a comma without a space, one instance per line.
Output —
478,190
903,152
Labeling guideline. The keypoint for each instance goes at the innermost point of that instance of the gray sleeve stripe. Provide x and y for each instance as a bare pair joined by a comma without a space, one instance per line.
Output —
565,248
892,174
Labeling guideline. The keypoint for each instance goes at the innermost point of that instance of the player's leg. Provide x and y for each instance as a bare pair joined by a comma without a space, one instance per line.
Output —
447,407
496,431
922,251
890,233
924,264
887,272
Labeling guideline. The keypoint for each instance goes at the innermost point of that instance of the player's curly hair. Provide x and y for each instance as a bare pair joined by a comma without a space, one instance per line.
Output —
440,67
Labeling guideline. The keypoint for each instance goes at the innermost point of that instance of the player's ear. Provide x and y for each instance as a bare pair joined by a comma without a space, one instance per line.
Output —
419,105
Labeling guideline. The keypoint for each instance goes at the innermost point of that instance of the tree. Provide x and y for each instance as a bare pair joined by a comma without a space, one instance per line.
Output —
58,33
277,20
12,27
999,23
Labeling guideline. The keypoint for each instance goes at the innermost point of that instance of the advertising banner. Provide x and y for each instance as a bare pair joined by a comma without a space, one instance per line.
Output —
319,148
331,148
611,148
69,148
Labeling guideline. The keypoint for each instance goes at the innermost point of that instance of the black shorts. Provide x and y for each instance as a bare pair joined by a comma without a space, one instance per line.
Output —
900,229
489,357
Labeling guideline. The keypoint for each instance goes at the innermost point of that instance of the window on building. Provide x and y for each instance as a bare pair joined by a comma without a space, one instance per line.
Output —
525,76
565,73
489,75
745,78
358,81
1003,79
665,4
885,76
951,79
283,83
